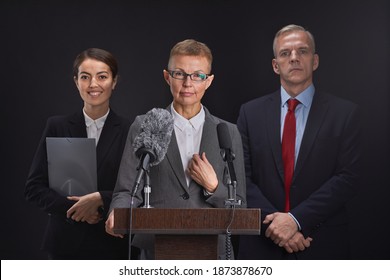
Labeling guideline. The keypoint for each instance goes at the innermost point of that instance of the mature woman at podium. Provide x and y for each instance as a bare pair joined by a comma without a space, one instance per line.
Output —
191,175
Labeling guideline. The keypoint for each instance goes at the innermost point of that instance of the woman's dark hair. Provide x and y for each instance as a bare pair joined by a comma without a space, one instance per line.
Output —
97,54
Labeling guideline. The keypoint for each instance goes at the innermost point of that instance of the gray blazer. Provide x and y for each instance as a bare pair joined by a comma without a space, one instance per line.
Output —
167,179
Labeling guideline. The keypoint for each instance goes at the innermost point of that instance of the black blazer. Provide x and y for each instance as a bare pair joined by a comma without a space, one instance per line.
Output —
325,178
79,240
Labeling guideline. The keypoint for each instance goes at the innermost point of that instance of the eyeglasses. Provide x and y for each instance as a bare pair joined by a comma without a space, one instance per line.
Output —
181,75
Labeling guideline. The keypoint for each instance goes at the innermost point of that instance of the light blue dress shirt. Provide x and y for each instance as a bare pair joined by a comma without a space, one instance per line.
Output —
301,114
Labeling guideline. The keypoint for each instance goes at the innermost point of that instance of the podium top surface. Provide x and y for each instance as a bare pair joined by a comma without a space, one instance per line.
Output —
243,221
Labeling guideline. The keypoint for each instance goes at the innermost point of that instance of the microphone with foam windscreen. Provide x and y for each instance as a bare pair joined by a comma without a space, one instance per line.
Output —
151,144
225,144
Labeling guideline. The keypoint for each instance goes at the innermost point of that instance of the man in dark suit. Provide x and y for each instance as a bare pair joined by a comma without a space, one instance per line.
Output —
303,200
76,224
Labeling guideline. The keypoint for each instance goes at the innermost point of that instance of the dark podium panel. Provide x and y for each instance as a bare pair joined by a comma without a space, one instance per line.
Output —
187,233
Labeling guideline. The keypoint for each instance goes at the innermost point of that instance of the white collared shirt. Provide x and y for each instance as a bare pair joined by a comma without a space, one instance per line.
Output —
95,127
188,136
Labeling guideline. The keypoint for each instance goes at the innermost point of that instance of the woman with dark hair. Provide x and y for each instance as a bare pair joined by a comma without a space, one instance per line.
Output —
76,223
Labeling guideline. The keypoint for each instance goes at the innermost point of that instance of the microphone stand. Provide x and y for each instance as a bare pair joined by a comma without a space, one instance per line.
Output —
231,201
143,172
228,156
147,190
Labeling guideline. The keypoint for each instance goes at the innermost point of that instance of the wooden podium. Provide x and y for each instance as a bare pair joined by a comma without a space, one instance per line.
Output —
187,233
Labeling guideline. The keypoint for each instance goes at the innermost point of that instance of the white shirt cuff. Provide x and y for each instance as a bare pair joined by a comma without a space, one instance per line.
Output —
296,221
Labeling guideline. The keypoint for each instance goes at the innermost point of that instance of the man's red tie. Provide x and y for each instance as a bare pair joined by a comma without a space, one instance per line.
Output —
288,149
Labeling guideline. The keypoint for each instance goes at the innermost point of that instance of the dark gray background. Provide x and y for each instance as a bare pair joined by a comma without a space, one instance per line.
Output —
39,42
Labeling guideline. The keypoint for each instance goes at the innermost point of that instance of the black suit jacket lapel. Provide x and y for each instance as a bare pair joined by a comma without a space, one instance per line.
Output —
273,130
107,137
110,131
77,126
316,116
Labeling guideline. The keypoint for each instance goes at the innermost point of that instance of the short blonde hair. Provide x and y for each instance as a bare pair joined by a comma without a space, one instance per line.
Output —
191,47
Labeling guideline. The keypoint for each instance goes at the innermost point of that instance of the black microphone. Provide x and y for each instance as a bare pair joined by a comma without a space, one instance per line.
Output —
225,144
151,145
